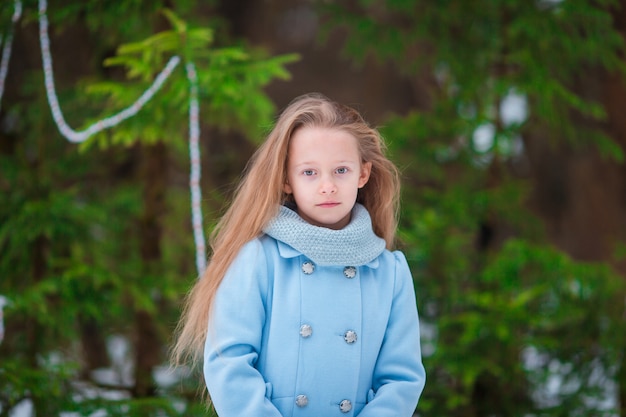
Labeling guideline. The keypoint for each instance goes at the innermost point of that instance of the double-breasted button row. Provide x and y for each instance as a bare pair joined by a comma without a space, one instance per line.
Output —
344,406
350,336
308,268
306,331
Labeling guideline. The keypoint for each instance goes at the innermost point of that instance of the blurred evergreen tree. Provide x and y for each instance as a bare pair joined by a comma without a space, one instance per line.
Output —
96,239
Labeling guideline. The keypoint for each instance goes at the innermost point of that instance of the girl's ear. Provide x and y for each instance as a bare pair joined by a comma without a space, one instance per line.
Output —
364,176
287,188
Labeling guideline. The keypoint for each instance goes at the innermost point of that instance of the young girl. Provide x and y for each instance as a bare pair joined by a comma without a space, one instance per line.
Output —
303,309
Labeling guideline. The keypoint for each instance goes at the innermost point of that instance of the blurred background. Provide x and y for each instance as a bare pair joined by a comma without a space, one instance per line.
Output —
507,119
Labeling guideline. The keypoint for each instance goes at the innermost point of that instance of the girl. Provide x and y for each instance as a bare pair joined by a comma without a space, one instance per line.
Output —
303,309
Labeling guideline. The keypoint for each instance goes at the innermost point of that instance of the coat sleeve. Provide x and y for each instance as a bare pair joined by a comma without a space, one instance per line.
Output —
399,374
234,337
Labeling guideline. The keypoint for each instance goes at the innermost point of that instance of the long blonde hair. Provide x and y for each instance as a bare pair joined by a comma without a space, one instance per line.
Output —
260,194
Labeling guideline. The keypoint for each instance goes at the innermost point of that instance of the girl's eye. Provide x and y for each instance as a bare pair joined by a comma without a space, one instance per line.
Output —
308,172
342,170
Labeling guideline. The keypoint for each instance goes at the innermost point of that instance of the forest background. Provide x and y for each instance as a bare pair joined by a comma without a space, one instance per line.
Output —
507,119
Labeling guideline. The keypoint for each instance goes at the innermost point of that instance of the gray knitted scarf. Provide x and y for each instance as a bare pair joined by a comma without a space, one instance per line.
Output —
354,245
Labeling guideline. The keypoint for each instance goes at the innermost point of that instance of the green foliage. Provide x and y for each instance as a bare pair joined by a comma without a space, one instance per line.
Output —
72,258
48,385
475,53
507,325
55,389
230,83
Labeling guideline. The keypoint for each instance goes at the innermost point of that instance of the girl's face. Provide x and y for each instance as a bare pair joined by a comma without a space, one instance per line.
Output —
324,173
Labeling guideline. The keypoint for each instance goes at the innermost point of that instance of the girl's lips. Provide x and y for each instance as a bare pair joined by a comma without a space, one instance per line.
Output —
328,204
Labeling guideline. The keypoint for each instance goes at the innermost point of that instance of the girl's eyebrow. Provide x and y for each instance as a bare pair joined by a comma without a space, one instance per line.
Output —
343,162
305,163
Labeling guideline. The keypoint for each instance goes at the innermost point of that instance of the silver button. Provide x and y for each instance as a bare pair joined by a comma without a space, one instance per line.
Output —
345,406
308,267
349,272
350,336
306,330
302,400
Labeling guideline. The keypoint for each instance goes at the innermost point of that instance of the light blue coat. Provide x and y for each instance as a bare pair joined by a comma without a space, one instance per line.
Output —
290,337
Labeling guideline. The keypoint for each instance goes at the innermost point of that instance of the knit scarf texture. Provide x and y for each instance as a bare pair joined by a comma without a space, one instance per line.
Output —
354,245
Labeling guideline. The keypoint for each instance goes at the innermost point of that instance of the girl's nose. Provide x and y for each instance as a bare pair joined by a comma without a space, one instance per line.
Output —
328,187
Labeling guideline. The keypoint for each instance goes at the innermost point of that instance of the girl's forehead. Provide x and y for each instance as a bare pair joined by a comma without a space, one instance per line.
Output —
323,145
321,132
316,137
